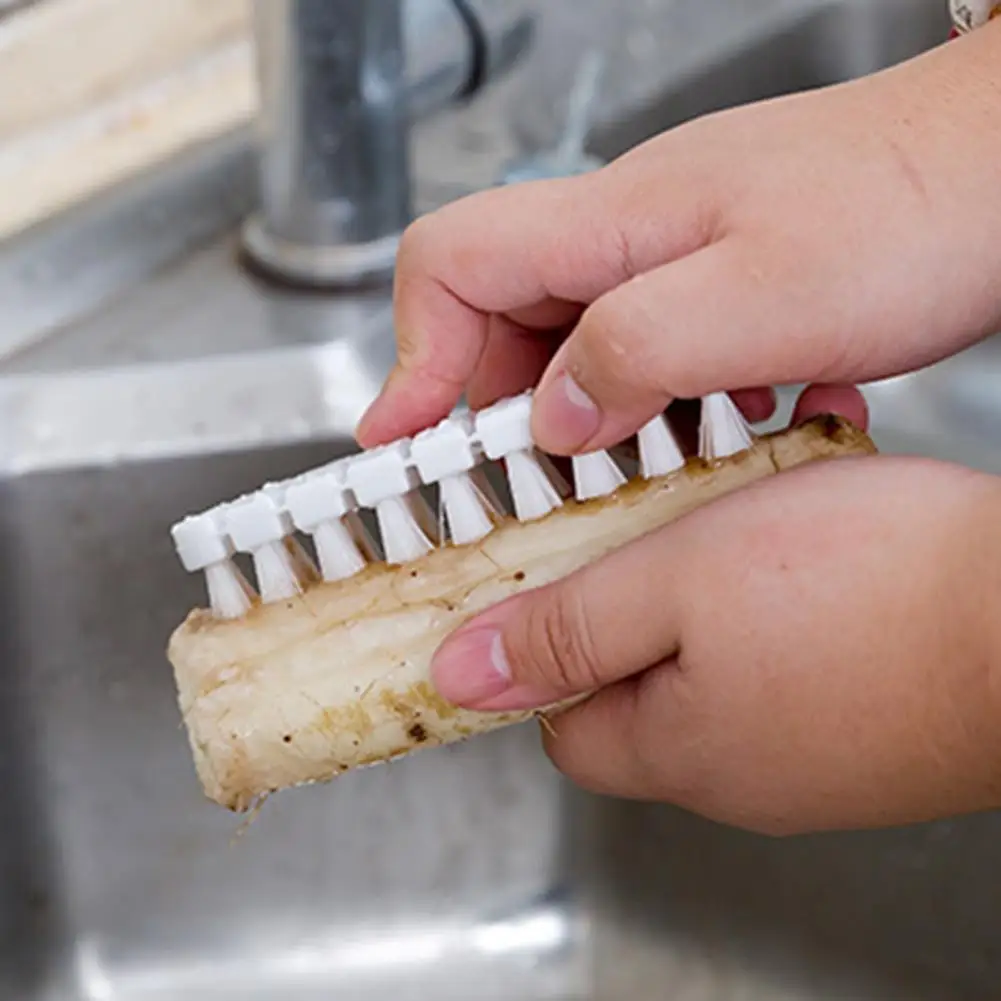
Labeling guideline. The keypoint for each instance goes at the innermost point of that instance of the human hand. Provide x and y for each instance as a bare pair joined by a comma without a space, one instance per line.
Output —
818,651
814,652
835,236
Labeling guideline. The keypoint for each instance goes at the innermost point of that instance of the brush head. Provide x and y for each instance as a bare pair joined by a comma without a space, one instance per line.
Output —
451,457
318,497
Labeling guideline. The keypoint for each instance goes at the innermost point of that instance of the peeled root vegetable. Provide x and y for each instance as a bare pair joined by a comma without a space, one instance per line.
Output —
305,689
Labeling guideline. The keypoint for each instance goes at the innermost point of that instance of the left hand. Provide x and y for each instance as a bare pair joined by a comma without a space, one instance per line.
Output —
816,651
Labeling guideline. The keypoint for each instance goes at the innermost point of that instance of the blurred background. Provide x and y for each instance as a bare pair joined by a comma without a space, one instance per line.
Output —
199,208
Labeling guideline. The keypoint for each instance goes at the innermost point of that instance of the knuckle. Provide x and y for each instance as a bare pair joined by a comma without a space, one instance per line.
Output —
613,350
557,648
622,252
603,343
416,239
421,255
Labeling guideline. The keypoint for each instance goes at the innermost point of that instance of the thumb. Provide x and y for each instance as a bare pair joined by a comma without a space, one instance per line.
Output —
603,623
710,321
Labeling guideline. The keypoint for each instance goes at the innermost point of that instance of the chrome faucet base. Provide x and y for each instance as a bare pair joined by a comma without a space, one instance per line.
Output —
347,266
341,84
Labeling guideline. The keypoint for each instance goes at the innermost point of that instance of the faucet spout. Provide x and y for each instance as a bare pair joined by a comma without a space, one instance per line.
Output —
340,82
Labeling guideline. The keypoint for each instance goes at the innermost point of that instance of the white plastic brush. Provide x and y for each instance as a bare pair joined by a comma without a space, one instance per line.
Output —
723,431
259,526
659,450
448,455
202,545
385,479
277,693
504,432
596,475
321,506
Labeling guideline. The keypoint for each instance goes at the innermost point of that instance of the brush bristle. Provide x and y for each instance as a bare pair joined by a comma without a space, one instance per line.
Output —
403,537
230,593
596,475
723,430
325,504
533,493
659,450
467,512
337,550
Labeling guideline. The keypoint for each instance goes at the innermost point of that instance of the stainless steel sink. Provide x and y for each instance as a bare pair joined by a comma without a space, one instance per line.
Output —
148,375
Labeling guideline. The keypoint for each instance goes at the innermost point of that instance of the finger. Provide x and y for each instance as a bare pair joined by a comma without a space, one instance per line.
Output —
570,738
603,623
415,396
755,404
739,730
845,401
710,321
534,252
572,636
512,361
612,720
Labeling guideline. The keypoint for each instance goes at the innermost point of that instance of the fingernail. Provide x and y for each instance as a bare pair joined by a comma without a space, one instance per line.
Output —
471,667
566,415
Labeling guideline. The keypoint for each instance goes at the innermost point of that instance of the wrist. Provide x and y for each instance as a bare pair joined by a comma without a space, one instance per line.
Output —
939,115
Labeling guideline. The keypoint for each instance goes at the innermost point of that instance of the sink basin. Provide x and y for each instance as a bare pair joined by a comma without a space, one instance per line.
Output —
146,375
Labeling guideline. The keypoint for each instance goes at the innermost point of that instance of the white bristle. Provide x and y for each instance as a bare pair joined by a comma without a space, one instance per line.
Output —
723,431
532,492
448,455
596,475
230,593
258,526
466,510
202,545
277,572
337,550
660,453
563,488
320,505
403,537
302,566
325,502
504,431
384,479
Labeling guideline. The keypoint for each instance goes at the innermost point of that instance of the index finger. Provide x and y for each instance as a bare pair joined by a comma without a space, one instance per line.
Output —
532,252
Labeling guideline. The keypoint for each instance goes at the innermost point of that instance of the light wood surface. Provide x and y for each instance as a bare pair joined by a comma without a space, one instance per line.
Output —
96,90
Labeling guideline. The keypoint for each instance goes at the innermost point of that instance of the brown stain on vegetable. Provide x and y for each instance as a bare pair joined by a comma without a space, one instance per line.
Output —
351,718
416,699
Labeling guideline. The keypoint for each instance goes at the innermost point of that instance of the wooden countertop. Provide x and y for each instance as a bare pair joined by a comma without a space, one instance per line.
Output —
96,90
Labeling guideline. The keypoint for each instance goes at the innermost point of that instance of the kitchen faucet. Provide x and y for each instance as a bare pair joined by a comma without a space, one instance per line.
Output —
341,82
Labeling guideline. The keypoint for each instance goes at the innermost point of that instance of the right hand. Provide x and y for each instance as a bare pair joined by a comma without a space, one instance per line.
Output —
831,237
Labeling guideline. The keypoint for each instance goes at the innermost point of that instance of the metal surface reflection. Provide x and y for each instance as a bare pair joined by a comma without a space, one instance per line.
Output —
145,375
